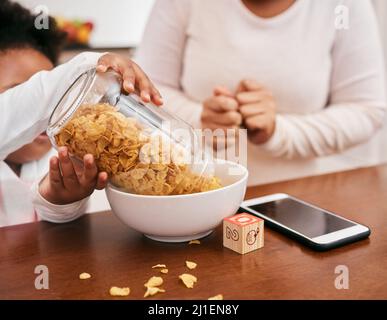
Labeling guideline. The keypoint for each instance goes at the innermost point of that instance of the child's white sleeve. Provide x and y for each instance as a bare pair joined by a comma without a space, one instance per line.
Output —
26,108
50,212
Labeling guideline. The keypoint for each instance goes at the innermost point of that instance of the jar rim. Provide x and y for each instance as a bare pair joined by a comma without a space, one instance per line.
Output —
64,109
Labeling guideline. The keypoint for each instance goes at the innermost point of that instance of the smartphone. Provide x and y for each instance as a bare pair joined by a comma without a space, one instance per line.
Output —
315,227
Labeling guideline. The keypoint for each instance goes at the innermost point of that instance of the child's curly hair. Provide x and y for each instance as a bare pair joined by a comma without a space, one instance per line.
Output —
17,30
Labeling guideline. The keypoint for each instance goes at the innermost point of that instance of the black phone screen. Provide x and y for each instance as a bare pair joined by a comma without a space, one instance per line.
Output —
309,221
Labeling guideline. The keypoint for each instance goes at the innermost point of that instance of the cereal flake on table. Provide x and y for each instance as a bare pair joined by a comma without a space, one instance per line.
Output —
84,276
191,265
151,291
188,279
119,292
152,286
196,241
154,282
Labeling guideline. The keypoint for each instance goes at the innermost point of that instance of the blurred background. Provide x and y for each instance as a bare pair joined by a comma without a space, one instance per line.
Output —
114,25
118,25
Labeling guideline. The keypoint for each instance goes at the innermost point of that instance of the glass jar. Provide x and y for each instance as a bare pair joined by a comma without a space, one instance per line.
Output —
143,148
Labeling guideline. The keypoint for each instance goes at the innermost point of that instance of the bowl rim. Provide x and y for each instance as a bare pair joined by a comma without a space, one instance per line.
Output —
245,175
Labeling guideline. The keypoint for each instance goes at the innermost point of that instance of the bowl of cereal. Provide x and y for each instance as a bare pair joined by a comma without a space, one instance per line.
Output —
182,217
162,181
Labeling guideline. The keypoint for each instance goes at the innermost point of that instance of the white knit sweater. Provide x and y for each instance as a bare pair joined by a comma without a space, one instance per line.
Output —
328,83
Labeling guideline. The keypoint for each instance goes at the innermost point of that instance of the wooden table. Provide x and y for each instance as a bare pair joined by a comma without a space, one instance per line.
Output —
115,255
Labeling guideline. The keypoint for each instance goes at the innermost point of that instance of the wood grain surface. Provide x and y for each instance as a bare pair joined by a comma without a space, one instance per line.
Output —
117,256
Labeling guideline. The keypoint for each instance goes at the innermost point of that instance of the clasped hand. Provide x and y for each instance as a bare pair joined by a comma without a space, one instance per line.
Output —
251,106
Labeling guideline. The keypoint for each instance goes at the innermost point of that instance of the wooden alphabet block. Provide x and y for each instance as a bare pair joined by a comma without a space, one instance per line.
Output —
243,233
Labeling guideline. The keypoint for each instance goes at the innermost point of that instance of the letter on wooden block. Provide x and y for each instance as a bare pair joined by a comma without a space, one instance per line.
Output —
243,233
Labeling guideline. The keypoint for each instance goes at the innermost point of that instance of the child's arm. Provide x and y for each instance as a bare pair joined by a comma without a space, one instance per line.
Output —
55,213
63,193
25,109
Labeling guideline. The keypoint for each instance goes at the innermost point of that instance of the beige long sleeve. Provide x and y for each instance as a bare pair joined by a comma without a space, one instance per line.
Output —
184,52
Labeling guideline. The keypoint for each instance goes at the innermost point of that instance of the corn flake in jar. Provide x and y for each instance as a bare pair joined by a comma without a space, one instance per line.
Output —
136,159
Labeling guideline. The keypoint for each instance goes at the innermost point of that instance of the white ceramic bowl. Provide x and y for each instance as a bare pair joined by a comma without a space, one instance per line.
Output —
179,218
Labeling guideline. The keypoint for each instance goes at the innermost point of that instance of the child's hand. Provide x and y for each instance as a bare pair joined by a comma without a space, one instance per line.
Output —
68,181
134,79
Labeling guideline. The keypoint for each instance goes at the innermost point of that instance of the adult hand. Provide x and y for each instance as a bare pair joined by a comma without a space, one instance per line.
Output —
221,111
258,110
